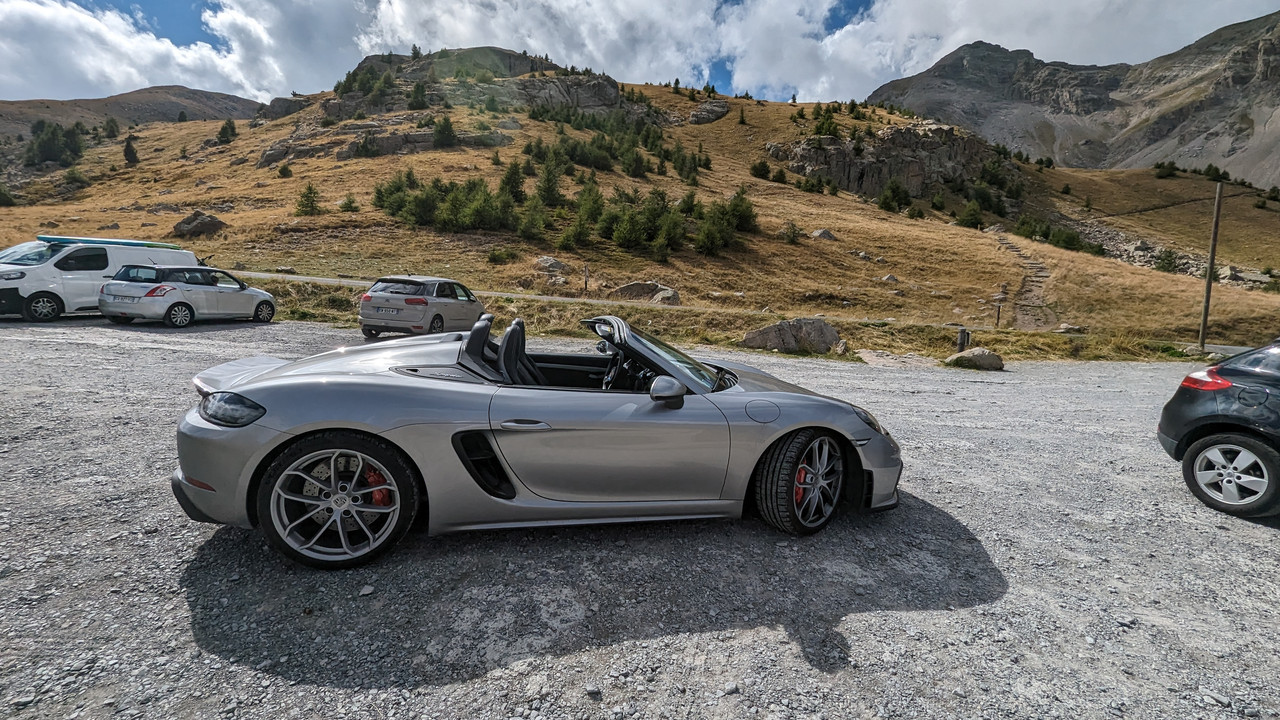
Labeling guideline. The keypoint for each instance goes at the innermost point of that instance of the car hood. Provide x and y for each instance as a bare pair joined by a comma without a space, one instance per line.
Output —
755,380
356,360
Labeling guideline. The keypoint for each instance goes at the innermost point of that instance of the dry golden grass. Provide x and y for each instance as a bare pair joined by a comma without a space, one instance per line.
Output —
947,273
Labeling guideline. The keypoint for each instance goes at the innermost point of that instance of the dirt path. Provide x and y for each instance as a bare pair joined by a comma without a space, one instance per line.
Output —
1030,310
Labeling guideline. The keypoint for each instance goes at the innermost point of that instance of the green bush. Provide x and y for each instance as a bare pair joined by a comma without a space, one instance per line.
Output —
285,171
895,196
1066,190
548,187
327,121
971,216
760,170
50,142
688,205
182,116
534,224
227,132
502,256
367,147
418,96
6,198
111,127
590,202
1274,194
308,201
348,204
512,182
1166,170
1167,261
791,233
608,222
742,214
130,153
938,202
1260,203
715,232
444,135
914,213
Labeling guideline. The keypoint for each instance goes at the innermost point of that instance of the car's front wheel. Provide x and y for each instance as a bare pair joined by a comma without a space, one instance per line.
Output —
337,499
179,315
42,307
264,312
799,481
1235,474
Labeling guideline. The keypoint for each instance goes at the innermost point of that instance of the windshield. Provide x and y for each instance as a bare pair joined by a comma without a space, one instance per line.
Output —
703,375
30,253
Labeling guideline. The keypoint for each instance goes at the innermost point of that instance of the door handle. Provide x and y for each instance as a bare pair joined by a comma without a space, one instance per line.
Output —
524,426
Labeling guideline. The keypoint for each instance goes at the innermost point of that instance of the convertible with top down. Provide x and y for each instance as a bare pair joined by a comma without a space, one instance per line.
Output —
334,456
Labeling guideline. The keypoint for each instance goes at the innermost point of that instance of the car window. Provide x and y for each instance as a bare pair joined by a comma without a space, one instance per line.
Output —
135,273
1264,360
226,281
396,287
703,375
445,290
463,293
82,260
31,253
192,277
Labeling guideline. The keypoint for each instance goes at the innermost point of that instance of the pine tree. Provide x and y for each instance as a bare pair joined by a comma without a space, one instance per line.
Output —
130,153
308,201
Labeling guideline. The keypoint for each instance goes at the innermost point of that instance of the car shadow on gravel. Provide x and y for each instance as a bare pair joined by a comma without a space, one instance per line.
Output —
448,609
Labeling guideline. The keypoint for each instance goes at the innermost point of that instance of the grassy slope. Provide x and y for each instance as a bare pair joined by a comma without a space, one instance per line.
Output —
947,273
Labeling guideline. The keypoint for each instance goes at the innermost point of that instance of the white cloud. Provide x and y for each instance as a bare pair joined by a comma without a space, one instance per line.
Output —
58,49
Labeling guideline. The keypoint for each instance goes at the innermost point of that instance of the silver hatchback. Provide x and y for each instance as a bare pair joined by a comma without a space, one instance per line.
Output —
417,304
179,295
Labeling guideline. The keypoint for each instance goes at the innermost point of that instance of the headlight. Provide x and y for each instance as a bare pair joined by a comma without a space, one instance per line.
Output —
15,275
869,419
230,409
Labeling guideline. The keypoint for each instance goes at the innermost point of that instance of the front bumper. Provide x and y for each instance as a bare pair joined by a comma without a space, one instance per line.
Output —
224,459
882,461
10,301
144,309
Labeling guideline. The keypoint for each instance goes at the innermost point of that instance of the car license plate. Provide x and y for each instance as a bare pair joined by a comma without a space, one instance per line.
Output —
120,298
389,311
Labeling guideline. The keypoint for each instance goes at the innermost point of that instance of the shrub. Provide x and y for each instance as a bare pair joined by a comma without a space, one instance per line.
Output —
1066,190
1032,227
6,198
629,233
359,115
779,176
671,234
285,171
578,233
688,204
895,196
308,201
590,202
367,147
327,121
418,96
182,116
52,142
182,153
971,216
760,170
1088,202
130,153
608,222
496,159
227,132
742,117
444,135
348,204
791,233
938,202
76,178
1260,203
1274,193
502,256
914,213
512,182
1166,170
534,224
742,214
715,232
111,127
548,187
1167,261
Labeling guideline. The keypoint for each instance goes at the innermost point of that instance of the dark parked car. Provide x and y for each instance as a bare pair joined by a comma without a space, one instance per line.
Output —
1223,423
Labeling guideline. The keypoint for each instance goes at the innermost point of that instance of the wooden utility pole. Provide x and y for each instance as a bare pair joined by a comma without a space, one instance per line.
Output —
1211,271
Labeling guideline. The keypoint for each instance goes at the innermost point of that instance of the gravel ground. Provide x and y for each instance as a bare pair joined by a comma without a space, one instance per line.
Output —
1046,561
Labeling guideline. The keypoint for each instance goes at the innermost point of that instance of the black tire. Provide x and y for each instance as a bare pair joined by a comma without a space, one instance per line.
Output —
436,326
264,311
781,495
119,320
385,528
370,333
179,315
1248,489
42,307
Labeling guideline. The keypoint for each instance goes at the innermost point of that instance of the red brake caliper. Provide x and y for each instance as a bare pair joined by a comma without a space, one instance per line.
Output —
800,476
374,478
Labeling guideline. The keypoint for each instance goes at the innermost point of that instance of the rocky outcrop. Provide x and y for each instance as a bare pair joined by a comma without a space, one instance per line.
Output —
285,106
708,112
590,93
919,155
976,359
650,292
807,335
198,223
1213,101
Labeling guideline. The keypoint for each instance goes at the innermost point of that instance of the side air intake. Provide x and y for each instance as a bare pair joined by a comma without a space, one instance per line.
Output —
476,452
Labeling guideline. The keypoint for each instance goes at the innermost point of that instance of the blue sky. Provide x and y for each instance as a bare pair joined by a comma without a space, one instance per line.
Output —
819,49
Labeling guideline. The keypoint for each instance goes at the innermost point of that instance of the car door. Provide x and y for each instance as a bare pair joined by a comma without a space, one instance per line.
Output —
232,300
82,272
445,305
198,290
469,308
607,446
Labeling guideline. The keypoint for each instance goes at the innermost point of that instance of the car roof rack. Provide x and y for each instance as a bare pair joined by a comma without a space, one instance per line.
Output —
106,241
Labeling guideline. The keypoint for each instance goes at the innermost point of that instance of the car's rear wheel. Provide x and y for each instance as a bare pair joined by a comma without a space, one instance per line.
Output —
337,499
42,307
799,481
116,320
1235,474
437,325
179,315
370,333
264,311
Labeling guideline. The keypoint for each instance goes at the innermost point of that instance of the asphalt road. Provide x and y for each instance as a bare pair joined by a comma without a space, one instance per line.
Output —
1046,561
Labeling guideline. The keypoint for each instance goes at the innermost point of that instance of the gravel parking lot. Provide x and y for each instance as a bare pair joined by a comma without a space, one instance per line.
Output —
1046,561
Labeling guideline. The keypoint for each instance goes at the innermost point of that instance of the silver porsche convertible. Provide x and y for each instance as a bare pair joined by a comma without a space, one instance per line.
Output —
336,455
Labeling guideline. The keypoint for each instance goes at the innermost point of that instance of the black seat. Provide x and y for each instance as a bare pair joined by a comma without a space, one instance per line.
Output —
516,367
478,339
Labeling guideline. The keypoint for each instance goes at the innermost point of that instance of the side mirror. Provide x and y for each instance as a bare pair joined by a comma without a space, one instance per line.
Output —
669,391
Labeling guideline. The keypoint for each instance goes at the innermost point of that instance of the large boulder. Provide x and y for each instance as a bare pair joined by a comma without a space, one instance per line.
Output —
278,151
550,265
198,223
976,359
709,111
650,292
810,335
282,106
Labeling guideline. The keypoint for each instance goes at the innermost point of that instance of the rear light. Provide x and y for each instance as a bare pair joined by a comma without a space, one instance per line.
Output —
415,301
160,291
102,289
197,483
366,297
1207,379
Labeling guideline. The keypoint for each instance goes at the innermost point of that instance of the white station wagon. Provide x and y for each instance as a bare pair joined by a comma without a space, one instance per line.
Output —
180,294
417,304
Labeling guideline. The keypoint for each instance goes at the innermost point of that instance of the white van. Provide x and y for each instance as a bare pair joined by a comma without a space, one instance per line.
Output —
51,275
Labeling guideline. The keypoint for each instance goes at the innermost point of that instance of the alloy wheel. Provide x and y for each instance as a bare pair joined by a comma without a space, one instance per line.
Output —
817,482
335,505
44,308
1231,474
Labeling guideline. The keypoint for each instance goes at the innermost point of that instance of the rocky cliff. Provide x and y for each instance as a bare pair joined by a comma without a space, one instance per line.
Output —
1215,101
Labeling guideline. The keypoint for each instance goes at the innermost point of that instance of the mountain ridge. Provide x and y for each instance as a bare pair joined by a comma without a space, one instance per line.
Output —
150,104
